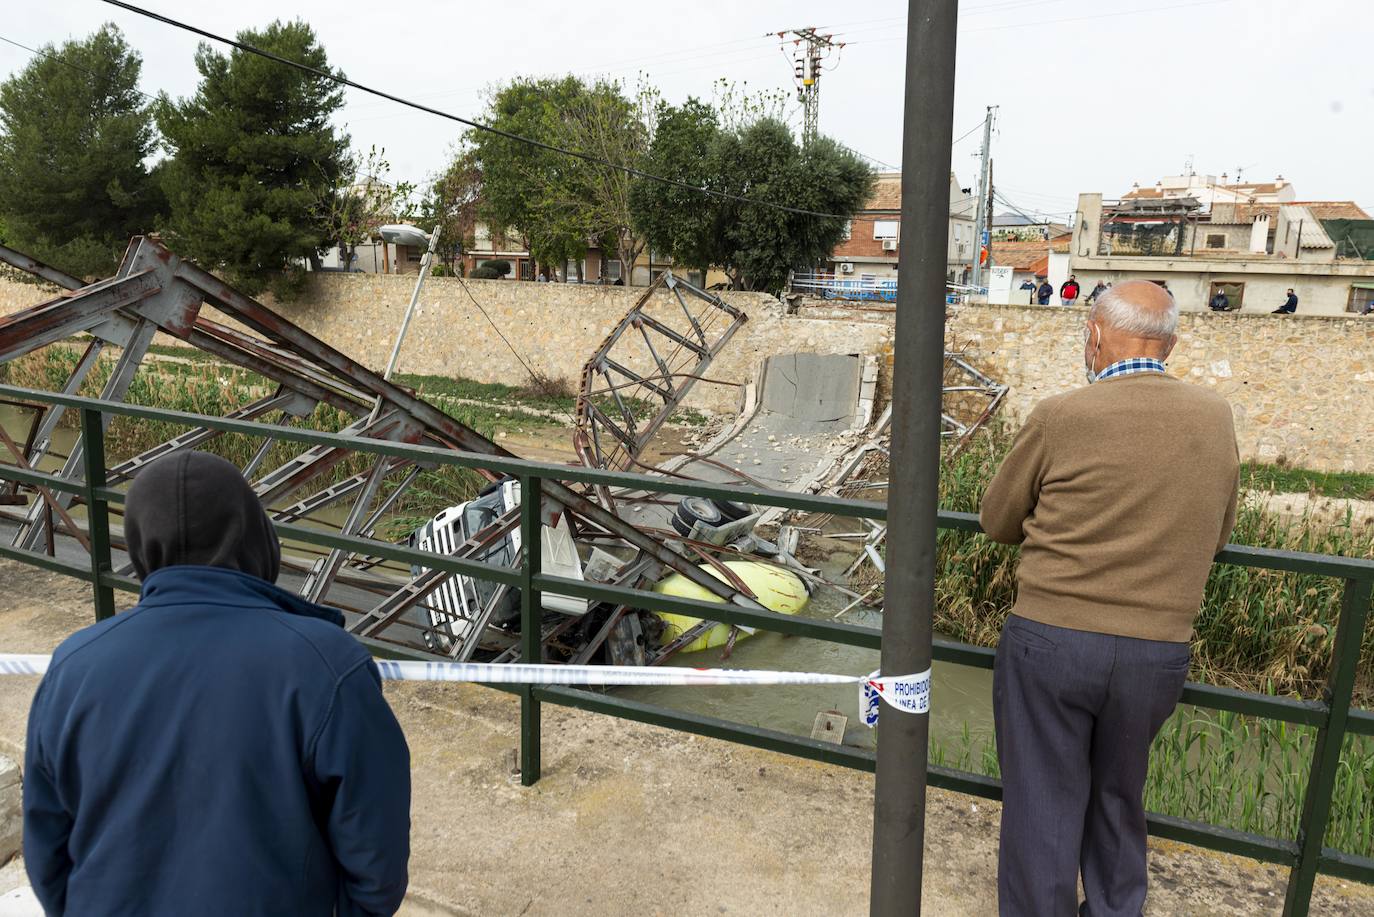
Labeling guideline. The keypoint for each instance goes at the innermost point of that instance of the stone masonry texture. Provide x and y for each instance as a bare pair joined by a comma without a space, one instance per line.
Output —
1300,385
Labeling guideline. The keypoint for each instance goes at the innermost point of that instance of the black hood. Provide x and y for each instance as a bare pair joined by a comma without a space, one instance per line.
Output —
196,508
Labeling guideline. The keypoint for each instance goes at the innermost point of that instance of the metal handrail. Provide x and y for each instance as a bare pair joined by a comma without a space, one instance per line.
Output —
1331,716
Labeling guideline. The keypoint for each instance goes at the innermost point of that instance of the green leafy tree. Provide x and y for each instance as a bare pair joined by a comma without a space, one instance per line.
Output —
678,221
76,134
616,132
532,192
253,154
756,158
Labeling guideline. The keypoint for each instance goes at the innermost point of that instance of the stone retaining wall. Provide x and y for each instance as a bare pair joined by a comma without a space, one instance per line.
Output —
1302,386
554,328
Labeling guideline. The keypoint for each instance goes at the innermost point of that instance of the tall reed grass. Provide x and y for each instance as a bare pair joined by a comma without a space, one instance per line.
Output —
1260,630
1257,629
214,389
1238,772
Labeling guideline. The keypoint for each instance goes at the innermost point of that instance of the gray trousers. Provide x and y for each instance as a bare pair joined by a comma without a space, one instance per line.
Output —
1075,715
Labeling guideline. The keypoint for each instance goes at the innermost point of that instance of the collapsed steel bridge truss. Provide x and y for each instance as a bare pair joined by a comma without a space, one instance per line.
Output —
644,369
154,291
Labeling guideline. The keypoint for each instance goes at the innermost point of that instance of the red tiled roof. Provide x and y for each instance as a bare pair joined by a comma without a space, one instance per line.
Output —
1333,210
886,196
1021,256
1060,244
1137,193
887,193
1241,214
1260,188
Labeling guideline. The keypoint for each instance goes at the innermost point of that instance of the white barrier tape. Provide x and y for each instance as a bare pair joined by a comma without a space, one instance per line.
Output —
516,673
910,693
21,664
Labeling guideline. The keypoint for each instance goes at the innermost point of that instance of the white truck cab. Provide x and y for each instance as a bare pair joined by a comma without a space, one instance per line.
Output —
463,606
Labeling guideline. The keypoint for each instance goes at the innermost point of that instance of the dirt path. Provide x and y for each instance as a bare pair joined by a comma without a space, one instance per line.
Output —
635,820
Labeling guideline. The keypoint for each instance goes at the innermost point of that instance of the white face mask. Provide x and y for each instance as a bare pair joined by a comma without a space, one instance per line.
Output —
1091,361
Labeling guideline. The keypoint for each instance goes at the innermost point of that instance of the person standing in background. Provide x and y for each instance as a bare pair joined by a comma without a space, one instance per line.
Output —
1068,291
1044,292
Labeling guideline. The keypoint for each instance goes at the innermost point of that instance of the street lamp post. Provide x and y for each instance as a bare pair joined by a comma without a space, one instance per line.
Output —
402,234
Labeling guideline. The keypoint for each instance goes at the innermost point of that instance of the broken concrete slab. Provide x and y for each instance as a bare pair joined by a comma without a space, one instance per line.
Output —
812,392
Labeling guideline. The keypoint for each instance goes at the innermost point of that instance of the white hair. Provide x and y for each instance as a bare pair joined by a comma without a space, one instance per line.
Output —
1117,311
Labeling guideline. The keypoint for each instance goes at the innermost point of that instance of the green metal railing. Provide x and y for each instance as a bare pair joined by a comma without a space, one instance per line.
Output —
1331,717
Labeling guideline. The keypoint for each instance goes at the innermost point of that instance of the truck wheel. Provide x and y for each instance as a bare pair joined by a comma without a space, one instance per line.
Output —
733,509
696,509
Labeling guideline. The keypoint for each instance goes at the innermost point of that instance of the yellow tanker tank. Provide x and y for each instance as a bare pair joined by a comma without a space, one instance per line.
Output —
777,590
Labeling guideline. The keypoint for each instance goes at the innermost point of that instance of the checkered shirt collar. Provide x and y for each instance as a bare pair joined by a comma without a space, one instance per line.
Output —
1131,367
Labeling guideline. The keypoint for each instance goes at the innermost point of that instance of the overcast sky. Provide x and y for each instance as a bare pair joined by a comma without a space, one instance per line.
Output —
1093,94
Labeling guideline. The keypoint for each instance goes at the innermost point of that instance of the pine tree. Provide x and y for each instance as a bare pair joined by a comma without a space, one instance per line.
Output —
253,154
76,135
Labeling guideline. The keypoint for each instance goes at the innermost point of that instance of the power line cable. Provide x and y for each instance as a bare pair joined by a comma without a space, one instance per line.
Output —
468,122
997,195
521,360
534,376
872,159
969,133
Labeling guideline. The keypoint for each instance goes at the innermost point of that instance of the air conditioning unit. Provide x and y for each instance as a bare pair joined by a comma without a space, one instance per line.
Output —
846,267
889,245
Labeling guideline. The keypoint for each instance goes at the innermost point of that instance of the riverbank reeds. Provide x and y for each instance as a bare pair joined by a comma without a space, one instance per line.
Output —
1238,772
1261,630
1258,630
214,390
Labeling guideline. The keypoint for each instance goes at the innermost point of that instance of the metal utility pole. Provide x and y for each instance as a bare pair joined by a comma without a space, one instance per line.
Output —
982,230
812,50
406,235
987,225
899,799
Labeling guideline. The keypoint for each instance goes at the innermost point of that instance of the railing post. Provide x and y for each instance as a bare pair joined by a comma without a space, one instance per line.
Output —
1326,753
97,510
531,627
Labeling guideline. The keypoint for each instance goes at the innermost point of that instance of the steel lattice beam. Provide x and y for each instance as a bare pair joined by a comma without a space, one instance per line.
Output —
679,352
155,291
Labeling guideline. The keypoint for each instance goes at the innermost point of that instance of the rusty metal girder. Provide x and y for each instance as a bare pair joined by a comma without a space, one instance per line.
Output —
674,352
155,290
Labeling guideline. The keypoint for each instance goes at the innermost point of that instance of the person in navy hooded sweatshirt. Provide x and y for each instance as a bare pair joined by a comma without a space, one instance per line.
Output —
221,748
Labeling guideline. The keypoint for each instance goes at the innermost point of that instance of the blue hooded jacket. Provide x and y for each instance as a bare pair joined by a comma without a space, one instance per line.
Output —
221,748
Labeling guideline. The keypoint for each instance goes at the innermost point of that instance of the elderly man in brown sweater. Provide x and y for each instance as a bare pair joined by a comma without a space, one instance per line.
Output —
1120,494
